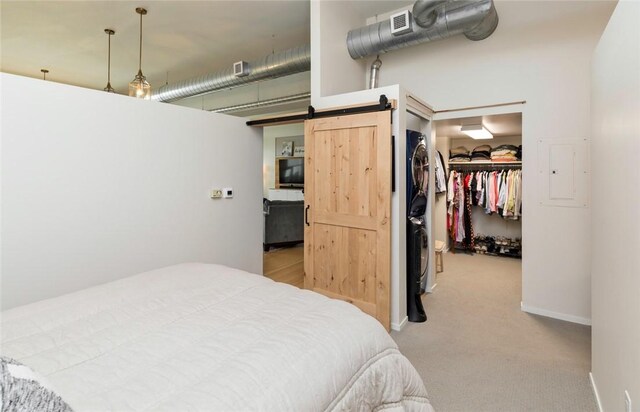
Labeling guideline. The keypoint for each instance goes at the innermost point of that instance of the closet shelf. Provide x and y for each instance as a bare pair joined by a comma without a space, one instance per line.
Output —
519,162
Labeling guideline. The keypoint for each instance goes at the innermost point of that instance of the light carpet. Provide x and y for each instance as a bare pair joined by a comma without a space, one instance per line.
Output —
479,352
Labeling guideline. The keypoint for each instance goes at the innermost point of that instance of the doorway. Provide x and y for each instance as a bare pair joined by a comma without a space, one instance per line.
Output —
283,203
478,218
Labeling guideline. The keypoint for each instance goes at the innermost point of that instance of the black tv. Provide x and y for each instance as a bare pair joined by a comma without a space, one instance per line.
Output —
291,172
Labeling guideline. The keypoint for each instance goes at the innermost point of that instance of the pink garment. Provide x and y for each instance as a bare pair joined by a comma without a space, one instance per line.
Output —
490,197
494,191
460,231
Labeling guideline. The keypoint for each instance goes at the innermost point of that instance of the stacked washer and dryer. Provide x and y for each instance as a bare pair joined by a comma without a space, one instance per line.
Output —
417,234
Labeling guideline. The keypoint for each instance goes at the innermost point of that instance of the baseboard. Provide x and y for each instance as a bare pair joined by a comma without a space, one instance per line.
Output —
399,326
555,315
595,391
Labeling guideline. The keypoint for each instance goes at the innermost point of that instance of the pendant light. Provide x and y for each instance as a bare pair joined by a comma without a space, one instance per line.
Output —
44,73
109,89
139,86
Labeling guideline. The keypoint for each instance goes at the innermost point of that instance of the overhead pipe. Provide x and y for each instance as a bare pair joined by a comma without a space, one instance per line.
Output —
285,63
434,20
263,103
425,12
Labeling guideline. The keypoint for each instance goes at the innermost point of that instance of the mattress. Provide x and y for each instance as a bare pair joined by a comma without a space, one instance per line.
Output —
203,337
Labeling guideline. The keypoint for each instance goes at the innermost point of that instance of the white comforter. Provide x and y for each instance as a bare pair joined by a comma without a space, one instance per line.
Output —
202,337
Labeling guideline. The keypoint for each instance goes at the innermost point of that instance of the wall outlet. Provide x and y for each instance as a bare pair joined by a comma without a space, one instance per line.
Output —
227,192
216,193
627,402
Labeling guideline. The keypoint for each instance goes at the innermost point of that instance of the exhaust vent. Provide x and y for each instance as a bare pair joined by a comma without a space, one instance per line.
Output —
400,23
241,69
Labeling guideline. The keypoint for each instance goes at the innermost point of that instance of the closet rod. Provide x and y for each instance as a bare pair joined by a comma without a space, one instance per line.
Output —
481,107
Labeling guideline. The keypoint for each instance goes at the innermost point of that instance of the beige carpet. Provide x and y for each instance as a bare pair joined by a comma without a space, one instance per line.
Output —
479,352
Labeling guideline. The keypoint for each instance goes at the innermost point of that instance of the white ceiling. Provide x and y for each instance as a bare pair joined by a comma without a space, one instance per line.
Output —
509,124
184,38
191,38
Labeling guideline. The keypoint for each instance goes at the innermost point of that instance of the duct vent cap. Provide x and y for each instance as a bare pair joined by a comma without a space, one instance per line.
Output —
401,23
241,69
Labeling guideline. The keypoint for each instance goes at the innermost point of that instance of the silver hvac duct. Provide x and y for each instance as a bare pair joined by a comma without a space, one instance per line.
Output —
274,65
374,73
263,103
431,20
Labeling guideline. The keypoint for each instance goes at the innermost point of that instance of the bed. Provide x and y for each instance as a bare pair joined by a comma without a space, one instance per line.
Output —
204,337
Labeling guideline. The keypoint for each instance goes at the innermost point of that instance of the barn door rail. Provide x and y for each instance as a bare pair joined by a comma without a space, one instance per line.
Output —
382,105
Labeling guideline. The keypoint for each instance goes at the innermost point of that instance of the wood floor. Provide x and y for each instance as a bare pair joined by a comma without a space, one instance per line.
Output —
285,265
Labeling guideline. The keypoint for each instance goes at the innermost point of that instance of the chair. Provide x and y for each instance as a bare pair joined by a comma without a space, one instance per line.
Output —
283,223
439,248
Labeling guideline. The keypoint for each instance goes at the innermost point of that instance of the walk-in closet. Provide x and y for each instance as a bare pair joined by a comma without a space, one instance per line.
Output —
478,206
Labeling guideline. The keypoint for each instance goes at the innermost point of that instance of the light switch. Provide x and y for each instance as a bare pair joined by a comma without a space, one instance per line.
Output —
227,192
216,193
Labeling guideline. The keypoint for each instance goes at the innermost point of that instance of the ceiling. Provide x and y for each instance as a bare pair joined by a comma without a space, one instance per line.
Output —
509,124
184,39
181,38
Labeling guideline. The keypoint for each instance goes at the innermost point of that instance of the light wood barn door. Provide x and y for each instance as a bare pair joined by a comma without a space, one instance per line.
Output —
348,210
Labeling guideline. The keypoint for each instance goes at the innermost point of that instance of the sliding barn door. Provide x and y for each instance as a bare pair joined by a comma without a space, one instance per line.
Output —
348,210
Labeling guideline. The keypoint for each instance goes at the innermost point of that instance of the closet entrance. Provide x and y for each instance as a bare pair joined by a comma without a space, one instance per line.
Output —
480,213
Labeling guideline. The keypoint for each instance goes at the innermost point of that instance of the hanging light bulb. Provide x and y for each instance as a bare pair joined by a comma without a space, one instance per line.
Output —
109,89
139,86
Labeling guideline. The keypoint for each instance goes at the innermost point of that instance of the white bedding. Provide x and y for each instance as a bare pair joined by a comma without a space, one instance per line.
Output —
207,337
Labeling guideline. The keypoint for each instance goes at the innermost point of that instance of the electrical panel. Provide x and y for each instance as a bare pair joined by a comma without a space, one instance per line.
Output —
563,169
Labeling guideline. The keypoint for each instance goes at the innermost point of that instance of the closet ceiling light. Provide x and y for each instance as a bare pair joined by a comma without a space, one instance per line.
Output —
476,131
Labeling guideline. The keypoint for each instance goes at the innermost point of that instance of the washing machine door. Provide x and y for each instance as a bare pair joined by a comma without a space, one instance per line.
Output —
424,258
420,167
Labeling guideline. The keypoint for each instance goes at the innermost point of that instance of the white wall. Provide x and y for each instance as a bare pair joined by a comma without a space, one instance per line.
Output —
270,135
96,187
333,71
547,65
615,218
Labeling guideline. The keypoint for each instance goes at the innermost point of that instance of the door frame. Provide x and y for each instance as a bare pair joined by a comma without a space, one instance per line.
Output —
497,109
406,103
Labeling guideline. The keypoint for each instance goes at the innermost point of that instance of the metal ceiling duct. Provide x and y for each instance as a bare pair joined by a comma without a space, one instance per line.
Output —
431,20
285,63
263,103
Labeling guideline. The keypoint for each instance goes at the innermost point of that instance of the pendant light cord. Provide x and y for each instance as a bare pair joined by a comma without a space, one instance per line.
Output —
109,62
140,60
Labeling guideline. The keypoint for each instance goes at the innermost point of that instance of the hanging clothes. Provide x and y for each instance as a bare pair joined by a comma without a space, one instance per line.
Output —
459,224
441,178
496,192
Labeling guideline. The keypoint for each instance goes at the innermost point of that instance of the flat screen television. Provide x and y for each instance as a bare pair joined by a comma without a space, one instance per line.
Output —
291,172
